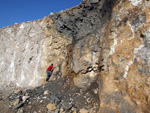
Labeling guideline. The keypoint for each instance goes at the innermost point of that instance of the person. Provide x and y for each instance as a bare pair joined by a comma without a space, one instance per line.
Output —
49,71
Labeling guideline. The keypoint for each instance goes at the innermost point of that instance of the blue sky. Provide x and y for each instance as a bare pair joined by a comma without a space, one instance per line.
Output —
17,11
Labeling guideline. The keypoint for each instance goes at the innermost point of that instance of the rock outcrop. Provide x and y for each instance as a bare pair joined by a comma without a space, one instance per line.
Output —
125,74
21,54
100,45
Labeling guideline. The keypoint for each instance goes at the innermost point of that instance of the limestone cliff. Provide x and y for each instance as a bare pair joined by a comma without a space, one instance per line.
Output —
102,42
21,54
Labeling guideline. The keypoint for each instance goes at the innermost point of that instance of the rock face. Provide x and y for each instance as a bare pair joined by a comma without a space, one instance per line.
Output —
103,42
21,53
126,59
83,25
70,40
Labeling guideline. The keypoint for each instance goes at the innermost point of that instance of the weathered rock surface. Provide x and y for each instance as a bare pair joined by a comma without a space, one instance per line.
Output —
100,46
21,53
126,60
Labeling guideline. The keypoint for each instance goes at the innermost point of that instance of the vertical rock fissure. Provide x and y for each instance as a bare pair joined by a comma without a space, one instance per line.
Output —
78,24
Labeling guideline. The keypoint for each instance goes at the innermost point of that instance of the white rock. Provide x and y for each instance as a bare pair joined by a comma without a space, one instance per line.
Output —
24,98
46,92
135,2
41,101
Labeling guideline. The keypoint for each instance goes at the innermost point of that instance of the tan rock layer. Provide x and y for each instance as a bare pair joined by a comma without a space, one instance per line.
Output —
127,61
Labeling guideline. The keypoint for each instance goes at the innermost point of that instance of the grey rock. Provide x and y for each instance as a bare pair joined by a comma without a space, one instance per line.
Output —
54,99
94,1
144,53
66,105
19,105
59,106
141,18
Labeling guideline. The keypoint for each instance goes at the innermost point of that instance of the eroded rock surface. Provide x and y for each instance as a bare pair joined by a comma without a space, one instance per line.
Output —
21,54
126,60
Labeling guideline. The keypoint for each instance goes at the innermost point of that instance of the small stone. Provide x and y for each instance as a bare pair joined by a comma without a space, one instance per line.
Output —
41,101
83,111
30,103
46,92
16,102
71,99
38,98
18,105
44,97
34,112
66,105
10,106
88,100
24,98
51,107
20,111
95,91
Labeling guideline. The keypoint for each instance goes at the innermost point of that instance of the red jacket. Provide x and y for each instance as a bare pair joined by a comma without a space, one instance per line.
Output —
50,68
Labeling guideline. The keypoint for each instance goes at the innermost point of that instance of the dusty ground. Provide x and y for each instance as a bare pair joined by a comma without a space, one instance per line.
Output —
61,92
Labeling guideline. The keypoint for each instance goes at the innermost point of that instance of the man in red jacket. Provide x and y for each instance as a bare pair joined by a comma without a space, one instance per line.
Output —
49,71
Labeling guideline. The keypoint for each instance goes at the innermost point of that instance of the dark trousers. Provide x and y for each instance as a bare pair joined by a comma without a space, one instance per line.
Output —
48,75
